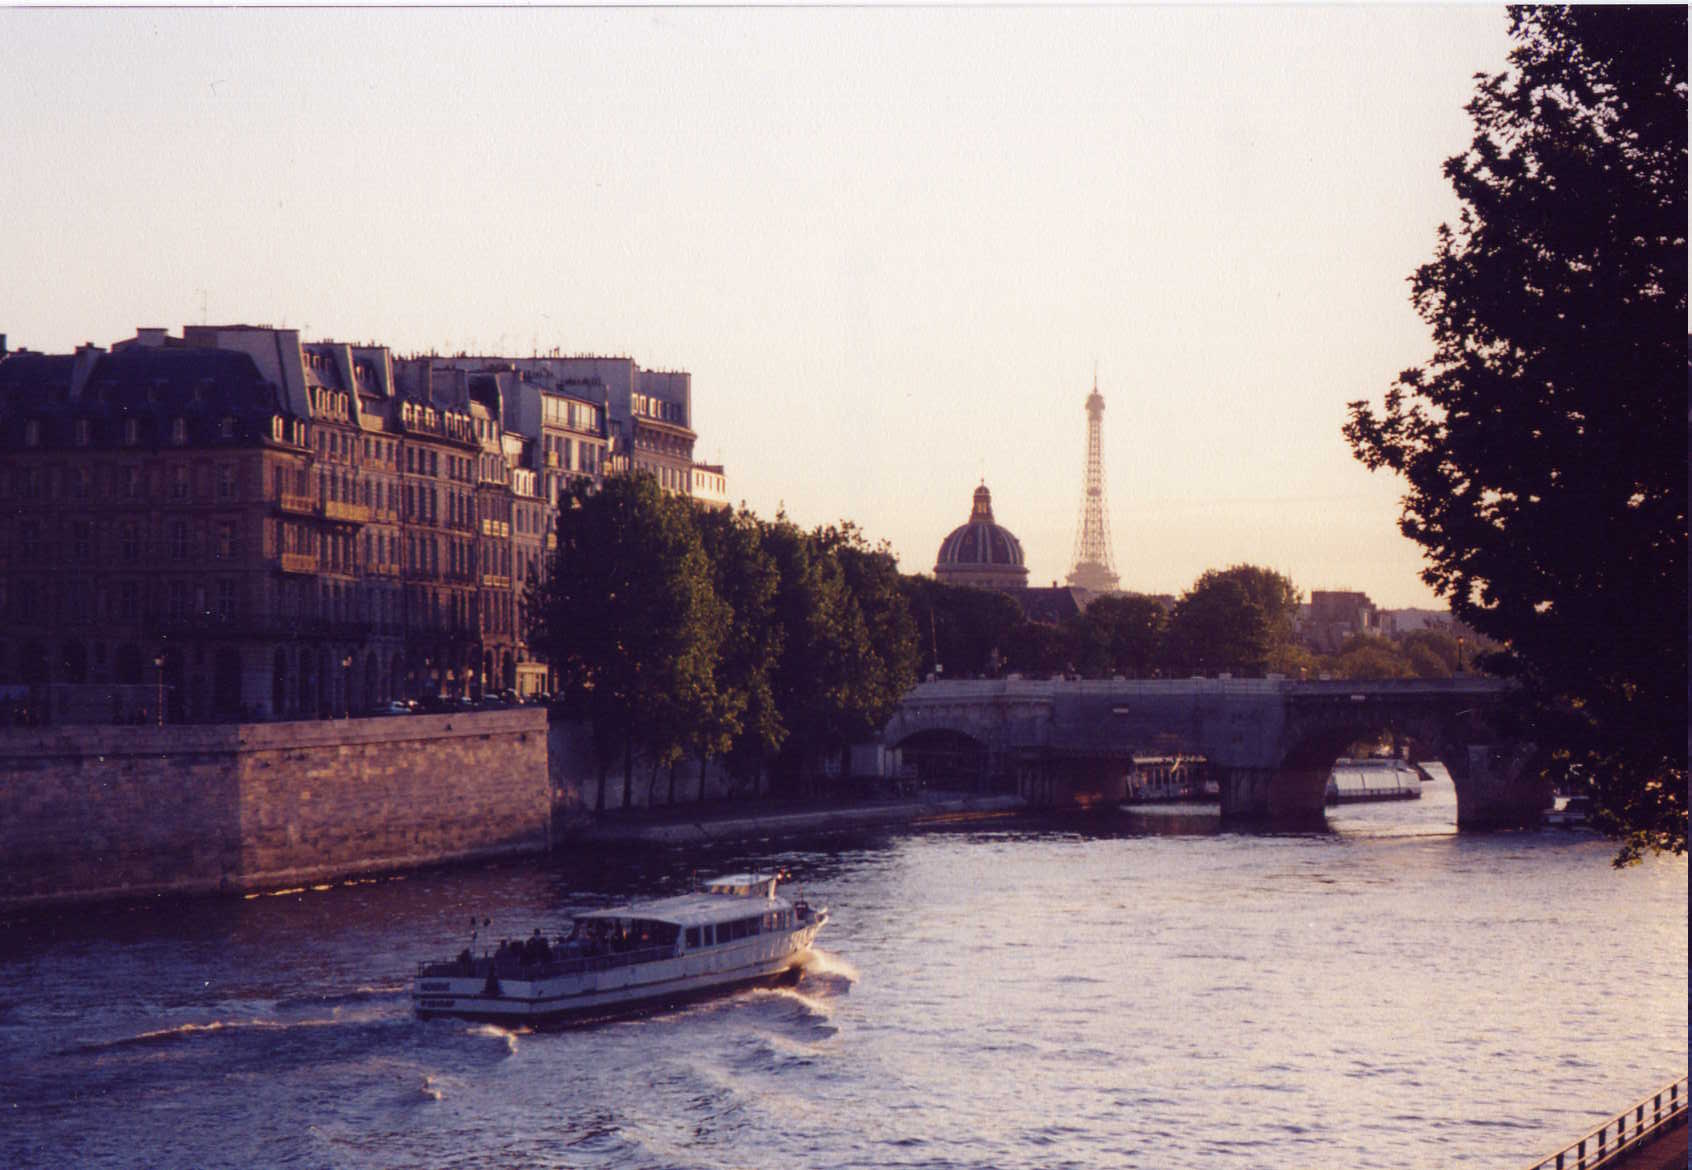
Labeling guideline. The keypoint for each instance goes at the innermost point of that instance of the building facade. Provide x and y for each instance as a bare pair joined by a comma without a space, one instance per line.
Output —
234,523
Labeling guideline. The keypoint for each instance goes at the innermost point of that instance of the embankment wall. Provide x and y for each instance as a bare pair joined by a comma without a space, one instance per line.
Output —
96,812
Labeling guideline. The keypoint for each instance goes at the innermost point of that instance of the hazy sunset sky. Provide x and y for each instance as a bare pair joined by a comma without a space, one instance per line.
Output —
890,244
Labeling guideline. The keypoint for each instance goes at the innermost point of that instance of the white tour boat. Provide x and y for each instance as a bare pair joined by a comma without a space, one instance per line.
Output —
735,931
1375,778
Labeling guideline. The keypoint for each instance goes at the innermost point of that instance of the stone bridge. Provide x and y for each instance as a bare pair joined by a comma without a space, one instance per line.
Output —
1269,742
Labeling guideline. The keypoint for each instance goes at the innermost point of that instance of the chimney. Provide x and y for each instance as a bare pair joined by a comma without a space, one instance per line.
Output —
2,345
87,356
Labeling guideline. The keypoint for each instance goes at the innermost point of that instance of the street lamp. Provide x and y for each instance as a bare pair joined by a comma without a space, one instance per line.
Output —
346,684
158,711
1459,653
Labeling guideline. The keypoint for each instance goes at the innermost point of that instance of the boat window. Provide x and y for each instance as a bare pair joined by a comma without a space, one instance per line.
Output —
692,937
710,935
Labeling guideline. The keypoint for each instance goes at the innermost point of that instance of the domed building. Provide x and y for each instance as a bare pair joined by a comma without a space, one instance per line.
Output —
981,553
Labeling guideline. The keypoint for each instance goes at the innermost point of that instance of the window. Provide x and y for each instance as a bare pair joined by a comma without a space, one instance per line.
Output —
226,597
179,483
32,433
226,428
225,540
132,482
80,533
178,540
129,599
130,542
178,431
225,482
83,432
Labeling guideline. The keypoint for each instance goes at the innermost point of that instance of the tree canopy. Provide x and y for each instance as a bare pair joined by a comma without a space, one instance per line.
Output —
1232,620
1542,443
628,618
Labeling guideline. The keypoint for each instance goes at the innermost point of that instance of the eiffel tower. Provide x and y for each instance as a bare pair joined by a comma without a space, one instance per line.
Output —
1094,569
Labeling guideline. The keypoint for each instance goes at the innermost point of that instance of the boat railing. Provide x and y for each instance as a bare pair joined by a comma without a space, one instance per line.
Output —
547,968
1604,1146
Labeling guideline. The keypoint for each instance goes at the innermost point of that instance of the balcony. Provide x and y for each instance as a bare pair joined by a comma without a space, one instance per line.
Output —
299,505
345,512
299,562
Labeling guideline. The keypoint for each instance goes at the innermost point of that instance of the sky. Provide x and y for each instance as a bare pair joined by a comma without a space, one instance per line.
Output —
892,245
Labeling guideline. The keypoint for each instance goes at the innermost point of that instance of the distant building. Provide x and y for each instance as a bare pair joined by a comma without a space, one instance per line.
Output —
1333,616
710,485
1397,622
981,553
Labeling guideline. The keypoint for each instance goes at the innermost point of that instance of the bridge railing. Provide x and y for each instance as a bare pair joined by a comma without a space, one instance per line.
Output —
1661,1111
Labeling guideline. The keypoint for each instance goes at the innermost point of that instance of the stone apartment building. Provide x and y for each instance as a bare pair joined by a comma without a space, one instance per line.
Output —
237,523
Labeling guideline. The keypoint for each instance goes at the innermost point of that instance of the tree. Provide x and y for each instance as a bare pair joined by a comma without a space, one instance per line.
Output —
1232,619
1119,633
1542,443
821,633
628,618
961,632
745,725
1217,626
886,666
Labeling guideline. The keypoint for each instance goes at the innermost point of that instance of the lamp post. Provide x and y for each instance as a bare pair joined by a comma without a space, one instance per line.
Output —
1459,653
158,710
346,684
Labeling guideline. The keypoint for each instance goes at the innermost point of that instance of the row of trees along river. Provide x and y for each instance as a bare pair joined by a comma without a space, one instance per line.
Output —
689,635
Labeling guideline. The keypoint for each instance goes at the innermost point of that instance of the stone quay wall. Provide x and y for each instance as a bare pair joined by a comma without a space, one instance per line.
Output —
90,812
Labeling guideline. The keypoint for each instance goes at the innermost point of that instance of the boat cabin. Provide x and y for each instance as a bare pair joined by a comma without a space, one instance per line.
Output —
744,885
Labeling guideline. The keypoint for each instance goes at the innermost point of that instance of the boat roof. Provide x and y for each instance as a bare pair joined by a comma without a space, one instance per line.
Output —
695,909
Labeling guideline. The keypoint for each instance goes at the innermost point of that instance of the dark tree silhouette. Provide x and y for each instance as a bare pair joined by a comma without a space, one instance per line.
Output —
628,618
1543,442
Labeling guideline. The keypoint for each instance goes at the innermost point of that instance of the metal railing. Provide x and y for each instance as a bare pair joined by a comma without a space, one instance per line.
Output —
513,969
1663,1110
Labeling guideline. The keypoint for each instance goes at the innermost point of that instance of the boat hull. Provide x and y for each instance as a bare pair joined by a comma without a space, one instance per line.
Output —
764,960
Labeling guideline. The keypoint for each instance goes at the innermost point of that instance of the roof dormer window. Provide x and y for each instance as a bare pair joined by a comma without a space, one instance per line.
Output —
178,431
32,433
226,427
131,431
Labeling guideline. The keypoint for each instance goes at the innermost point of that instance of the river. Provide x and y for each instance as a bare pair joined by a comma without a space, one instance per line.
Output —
1138,991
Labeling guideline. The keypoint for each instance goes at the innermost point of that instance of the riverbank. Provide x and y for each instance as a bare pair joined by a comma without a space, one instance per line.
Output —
716,822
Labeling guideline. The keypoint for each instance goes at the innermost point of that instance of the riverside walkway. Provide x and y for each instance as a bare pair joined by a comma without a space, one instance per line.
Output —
740,820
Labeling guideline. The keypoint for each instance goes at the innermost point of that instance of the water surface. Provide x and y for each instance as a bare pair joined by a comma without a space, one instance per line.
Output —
1132,991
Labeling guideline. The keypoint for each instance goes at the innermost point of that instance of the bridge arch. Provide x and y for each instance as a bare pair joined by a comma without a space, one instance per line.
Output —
946,758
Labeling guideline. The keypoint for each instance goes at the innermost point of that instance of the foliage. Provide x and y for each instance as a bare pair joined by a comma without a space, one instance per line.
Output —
1118,634
886,666
961,632
1542,444
628,618
745,724
1232,620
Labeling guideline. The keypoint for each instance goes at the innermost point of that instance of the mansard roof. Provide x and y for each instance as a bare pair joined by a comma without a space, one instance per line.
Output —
154,385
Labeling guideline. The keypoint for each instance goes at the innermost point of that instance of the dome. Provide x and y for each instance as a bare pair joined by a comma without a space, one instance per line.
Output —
980,552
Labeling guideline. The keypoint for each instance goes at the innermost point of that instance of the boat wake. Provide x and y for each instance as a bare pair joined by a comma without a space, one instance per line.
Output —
494,1031
821,963
356,995
178,1033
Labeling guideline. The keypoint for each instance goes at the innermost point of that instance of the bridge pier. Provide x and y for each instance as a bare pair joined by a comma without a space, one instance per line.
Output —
1292,797
1495,789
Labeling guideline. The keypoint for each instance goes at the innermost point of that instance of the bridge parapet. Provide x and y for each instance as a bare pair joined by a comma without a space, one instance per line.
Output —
1272,741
